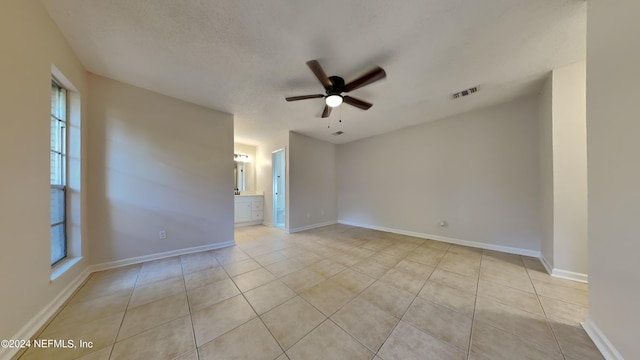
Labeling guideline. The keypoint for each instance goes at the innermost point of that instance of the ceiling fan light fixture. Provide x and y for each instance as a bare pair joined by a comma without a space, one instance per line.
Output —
333,100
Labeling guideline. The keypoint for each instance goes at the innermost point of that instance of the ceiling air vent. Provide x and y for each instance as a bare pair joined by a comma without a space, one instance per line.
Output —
465,92
337,133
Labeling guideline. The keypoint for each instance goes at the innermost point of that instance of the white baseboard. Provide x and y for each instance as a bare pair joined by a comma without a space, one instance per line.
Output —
158,256
563,274
570,275
40,319
546,264
309,227
601,341
476,244
248,223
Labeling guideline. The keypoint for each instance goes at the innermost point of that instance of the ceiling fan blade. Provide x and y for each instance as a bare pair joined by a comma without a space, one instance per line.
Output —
314,65
326,112
356,102
366,79
304,97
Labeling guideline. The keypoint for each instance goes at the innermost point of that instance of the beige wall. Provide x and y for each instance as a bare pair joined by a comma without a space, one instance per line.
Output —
613,130
477,171
156,163
563,159
249,167
264,179
313,188
31,44
569,171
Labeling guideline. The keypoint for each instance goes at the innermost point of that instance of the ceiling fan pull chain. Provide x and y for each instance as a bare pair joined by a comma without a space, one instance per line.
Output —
340,114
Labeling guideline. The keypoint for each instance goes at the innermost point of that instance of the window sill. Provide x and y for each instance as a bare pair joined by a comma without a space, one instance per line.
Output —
62,267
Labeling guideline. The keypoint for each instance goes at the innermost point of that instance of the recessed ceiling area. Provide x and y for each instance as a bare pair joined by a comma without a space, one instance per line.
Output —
245,57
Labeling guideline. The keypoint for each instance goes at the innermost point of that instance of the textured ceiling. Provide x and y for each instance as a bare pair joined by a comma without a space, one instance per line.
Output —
245,56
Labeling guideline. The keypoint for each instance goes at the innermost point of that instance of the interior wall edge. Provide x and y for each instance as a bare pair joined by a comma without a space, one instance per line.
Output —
600,340
561,273
547,265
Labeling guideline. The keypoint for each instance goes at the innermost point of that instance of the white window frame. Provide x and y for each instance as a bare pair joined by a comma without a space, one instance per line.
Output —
74,194
62,154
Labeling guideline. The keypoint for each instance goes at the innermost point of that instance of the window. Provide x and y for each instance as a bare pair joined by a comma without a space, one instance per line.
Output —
58,167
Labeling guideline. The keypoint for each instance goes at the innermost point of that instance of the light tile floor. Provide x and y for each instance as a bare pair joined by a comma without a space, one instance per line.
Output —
336,292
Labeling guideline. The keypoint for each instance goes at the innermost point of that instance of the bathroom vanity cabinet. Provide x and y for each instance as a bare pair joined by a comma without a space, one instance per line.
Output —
249,210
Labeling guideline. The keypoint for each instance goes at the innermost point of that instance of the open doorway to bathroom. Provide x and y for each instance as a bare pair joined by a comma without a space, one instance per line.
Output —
279,188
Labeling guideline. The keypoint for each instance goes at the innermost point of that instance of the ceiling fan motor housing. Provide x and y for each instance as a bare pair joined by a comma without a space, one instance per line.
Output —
337,85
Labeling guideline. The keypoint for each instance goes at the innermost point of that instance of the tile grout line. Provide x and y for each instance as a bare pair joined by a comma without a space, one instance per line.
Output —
329,316
548,322
252,308
193,329
115,340
260,316
152,301
414,299
475,302
434,269
297,295
375,353
348,302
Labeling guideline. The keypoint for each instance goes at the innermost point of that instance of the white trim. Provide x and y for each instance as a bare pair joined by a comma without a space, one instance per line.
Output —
563,274
158,256
63,267
63,80
601,341
546,264
31,328
476,244
285,169
309,227
570,275
248,223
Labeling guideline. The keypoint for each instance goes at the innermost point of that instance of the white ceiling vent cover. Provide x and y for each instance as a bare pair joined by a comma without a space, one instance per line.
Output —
466,92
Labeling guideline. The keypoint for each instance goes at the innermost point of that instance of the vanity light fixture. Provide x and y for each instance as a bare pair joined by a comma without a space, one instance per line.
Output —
333,100
240,158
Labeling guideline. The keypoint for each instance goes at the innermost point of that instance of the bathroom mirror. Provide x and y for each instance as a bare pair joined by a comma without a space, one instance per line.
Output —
238,174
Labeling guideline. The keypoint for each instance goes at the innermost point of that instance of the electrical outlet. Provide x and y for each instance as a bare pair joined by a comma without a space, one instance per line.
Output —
162,234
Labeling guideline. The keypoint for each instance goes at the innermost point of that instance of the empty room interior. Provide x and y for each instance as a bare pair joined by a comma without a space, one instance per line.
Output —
319,180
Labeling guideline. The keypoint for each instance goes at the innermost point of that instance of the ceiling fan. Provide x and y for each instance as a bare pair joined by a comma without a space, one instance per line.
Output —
335,86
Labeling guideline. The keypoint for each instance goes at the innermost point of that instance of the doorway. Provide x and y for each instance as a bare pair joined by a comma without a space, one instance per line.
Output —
279,188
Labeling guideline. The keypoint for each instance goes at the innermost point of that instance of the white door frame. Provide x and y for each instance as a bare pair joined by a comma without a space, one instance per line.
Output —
275,193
